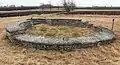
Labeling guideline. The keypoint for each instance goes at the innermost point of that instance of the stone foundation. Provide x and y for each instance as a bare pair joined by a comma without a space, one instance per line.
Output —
16,34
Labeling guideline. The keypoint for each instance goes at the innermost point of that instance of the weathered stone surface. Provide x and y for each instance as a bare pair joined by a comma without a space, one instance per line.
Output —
15,32
101,36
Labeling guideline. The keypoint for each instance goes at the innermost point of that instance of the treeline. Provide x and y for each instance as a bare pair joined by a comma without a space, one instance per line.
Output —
43,7
18,8
97,7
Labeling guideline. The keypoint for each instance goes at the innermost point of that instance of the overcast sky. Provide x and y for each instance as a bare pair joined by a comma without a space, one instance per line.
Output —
57,2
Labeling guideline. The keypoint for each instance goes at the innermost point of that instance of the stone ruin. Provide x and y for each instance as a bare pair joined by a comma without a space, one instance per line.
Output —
15,32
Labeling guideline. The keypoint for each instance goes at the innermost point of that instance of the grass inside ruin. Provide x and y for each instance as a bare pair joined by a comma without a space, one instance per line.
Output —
58,31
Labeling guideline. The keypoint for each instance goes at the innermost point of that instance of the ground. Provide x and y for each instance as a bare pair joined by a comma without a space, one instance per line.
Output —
108,54
58,31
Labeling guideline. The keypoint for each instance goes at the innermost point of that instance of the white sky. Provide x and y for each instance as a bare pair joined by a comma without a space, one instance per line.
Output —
55,2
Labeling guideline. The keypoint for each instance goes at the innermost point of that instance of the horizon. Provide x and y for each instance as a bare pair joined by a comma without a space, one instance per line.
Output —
82,3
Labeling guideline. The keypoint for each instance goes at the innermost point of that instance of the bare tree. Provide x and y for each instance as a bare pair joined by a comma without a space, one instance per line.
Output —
69,5
50,7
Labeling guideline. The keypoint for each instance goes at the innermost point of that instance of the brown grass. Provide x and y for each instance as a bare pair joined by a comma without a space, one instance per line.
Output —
108,54
58,31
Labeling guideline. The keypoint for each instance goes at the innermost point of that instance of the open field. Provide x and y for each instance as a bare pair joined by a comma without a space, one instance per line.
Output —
108,54
56,10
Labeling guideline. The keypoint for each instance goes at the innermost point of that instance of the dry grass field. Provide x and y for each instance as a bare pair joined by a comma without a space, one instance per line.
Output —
58,31
108,54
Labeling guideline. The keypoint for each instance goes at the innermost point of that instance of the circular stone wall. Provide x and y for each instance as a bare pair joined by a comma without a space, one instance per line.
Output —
16,34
